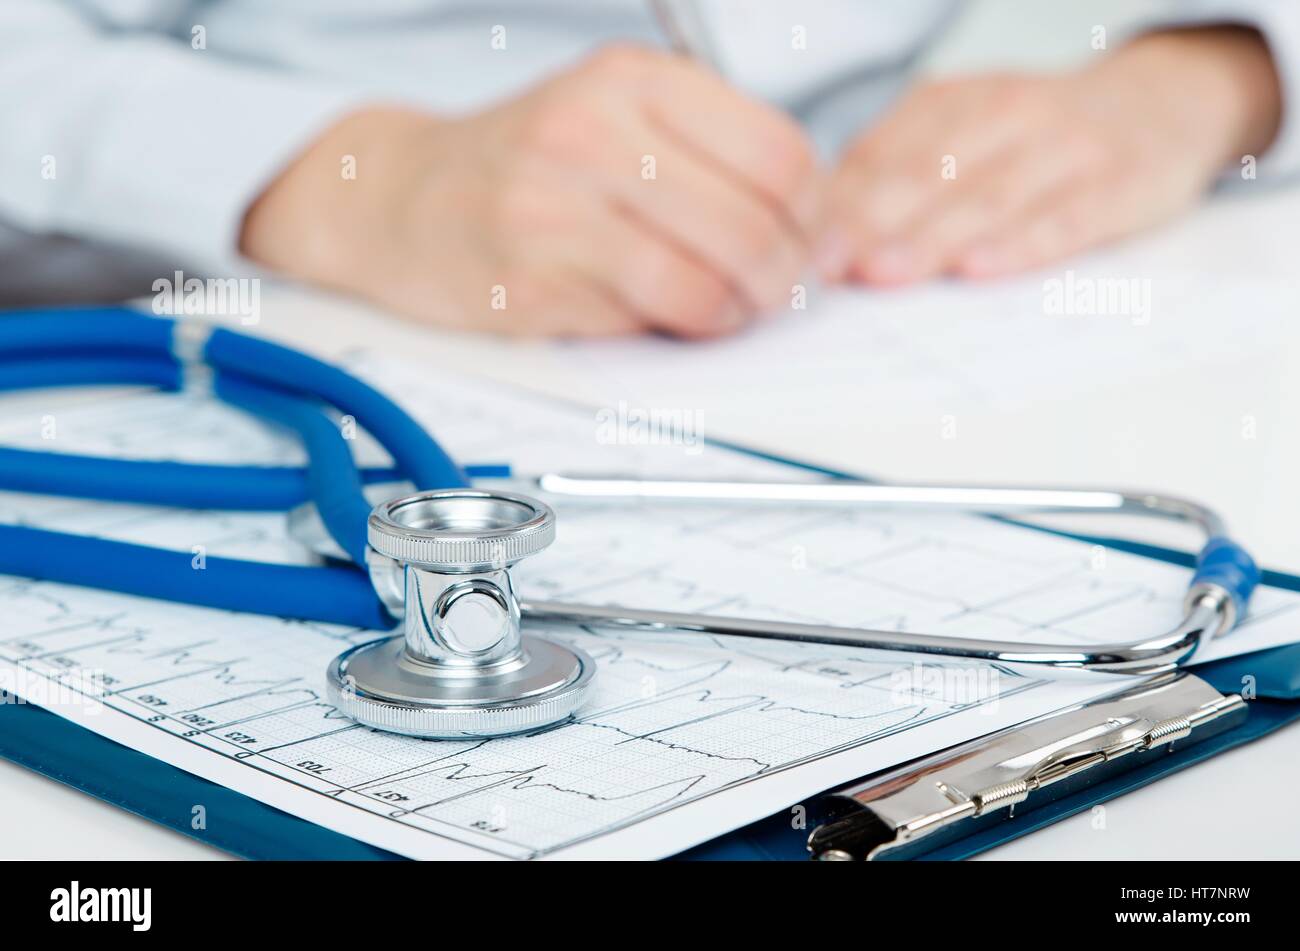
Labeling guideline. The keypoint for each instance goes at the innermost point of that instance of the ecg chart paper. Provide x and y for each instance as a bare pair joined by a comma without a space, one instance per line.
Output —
685,736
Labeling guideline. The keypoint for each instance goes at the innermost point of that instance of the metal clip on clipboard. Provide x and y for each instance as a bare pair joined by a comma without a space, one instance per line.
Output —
947,796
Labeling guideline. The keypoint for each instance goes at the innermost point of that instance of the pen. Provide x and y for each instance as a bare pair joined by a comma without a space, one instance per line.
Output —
688,35
685,28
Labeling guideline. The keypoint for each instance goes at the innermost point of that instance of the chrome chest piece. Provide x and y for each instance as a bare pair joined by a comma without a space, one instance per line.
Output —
461,667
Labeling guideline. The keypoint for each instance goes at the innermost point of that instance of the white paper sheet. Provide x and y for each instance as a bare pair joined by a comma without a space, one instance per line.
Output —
958,347
685,736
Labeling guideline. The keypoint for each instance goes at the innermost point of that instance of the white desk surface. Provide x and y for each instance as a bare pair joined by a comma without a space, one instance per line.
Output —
1152,435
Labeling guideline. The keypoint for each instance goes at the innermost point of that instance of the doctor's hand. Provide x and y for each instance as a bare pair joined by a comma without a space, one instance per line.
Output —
635,191
987,176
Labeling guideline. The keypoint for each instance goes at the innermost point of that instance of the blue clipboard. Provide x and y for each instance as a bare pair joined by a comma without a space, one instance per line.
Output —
58,748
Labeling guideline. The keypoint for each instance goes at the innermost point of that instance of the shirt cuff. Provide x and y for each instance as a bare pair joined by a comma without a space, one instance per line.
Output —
1279,24
187,148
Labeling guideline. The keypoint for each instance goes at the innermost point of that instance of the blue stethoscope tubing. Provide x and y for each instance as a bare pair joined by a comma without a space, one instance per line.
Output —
269,381
272,382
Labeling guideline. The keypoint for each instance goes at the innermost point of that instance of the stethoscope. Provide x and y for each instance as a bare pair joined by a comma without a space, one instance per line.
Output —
471,658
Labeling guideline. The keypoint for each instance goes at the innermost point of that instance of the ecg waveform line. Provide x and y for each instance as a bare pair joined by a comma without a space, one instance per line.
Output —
673,717
686,692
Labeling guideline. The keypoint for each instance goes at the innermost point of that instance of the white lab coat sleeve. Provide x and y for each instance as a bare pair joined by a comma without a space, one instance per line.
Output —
139,139
1278,21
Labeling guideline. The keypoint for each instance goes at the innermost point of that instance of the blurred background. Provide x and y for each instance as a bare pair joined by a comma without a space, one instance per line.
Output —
945,380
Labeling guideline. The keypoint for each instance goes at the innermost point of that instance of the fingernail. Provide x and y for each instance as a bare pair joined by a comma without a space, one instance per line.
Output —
833,255
893,262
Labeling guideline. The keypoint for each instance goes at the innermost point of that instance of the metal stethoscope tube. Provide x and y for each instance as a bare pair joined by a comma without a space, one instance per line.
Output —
467,661
1210,607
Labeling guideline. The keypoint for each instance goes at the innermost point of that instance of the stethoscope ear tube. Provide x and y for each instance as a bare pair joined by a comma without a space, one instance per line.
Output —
333,594
416,454
90,331
113,347
232,488
88,370
332,479
289,387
